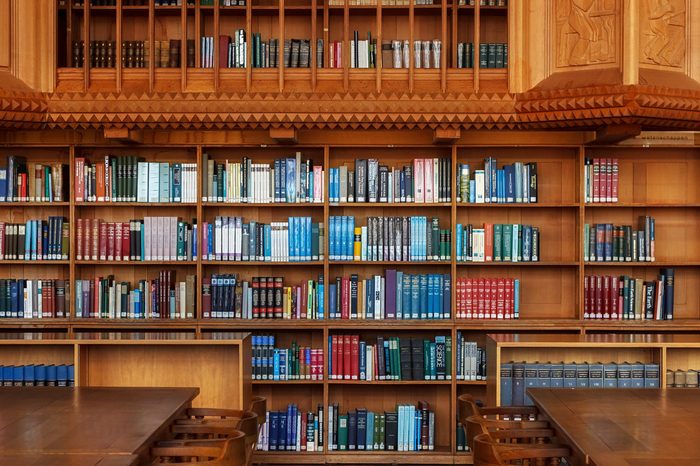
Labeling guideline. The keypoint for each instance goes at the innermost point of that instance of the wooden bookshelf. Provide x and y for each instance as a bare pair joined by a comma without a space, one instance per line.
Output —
444,20
551,290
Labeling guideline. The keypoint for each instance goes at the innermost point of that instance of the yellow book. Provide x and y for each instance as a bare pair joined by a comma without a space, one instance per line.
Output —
357,251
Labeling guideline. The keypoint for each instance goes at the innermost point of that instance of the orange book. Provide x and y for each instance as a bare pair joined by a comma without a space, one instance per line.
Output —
100,182
488,242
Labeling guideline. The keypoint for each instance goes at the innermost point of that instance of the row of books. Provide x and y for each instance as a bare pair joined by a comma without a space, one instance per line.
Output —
493,55
135,54
497,243
225,296
289,180
423,181
167,53
292,430
101,54
488,298
516,378
465,55
395,295
38,375
296,240
34,298
33,182
389,358
374,2
408,428
265,53
363,52
397,53
627,298
388,239
130,179
36,240
297,53
601,180
471,360
149,239
682,378
513,183
295,363
233,52
605,242
159,298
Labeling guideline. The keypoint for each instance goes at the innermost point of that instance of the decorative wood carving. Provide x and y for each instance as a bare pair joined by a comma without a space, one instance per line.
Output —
662,33
586,32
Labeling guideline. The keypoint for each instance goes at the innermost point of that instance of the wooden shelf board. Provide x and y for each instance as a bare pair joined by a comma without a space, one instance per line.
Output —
389,204
287,382
266,263
518,264
34,204
520,324
640,205
123,262
389,382
266,205
438,456
472,382
282,324
519,205
284,457
34,262
334,262
136,204
643,264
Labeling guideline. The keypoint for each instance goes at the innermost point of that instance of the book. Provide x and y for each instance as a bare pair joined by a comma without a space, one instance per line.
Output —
21,181
628,298
487,298
34,298
514,183
605,242
37,375
35,240
292,429
497,243
294,363
471,361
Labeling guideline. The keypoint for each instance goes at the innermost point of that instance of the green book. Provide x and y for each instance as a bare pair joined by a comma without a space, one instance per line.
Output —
498,242
433,362
448,357
586,232
382,430
181,240
343,432
426,360
397,357
377,421
507,242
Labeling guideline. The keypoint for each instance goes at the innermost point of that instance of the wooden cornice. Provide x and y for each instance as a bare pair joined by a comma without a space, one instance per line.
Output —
20,107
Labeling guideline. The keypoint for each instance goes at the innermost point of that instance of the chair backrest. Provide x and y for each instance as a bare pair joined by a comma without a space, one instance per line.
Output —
467,406
226,452
248,424
259,406
485,452
204,430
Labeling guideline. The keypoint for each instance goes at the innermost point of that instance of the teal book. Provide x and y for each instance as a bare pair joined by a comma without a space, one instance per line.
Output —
507,242
556,373
343,432
582,375
610,375
531,374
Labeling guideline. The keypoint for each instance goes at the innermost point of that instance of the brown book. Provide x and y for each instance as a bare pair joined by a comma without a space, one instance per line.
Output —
146,54
156,53
65,240
174,54
103,241
60,298
679,379
190,53
224,42
387,54
111,54
164,53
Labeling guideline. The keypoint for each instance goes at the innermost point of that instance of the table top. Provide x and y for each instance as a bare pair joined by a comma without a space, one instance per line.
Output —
87,421
626,427
38,459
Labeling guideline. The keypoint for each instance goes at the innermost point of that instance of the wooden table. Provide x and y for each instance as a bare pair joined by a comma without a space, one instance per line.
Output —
625,427
88,425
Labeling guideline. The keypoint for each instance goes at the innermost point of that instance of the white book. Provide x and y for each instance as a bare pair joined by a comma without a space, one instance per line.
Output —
436,180
514,250
159,238
171,239
419,180
142,183
479,186
232,238
224,239
29,299
153,182
183,300
428,180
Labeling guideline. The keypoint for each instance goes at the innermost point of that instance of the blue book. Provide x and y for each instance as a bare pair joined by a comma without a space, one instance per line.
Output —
638,375
582,375
176,182
610,375
278,172
556,373
291,444
406,299
7,378
446,289
276,365
40,375
651,376
51,375
518,384
398,294
458,242
544,377
492,181
285,429
415,297
596,375
18,376
331,238
361,439
527,243
71,375
531,373
369,437
363,360
342,237
320,305
569,375
509,183
332,301
267,242
290,185
370,298
472,191
506,381
427,312
274,430
3,185
28,376
423,295
516,298
309,239
350,239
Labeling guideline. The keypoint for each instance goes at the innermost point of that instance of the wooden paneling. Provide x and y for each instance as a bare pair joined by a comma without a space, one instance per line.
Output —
5,35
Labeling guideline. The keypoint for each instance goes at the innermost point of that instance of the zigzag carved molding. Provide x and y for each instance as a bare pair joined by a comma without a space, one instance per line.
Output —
20,109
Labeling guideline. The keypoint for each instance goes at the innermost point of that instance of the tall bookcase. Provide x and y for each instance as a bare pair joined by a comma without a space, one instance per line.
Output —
445,20
657,181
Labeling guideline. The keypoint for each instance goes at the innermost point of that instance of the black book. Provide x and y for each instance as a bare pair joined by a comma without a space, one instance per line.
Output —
491,55
440,361
352,431
649,292
668,278
405,359
483,55
391,429
351,186
417,359
383,183
361,415
361,180
353,296
533,182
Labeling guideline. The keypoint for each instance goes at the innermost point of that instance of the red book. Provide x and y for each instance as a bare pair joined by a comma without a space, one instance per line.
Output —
103,241
321,363
480,299
78,241
334,357
469,299
508,302
94,236
79,179
501,298
488,242
493,285
126,241
118,244
596,180
615,177
586,300
614,297
355,373
206,298
345,298
458,293
110,241
598,297
224,42
606,297
303,431
347,357
608,180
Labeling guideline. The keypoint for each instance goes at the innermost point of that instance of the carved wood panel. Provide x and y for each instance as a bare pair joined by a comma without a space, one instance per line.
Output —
586,33
662,33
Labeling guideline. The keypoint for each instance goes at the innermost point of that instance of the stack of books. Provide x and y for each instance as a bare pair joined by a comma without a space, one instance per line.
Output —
265,54
408,428
225,296
389,358
297,53
514,183
601,180
388,239
516,378
423,181
33,182
102,54
627,298
38,375
135,54
465,55
149,239
167,53
159,298
230,239
34,298
35,240
498,243
292,430
396,295
471,360
488,298
363,52
295,363
493,55
682,378
290,180
605,242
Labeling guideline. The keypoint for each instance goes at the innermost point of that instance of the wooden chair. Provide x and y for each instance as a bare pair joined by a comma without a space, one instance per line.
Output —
477,425
224,452
500,448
